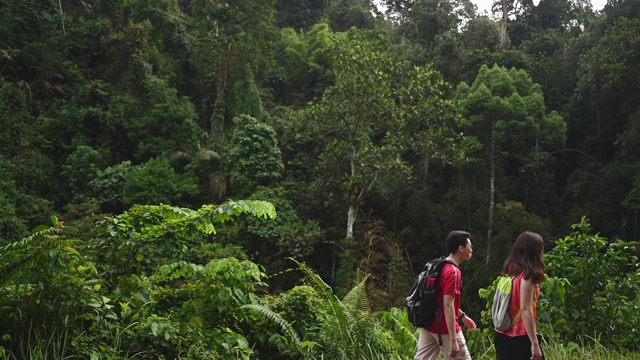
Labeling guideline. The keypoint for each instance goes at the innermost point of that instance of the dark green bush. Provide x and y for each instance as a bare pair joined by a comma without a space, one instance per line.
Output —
603,287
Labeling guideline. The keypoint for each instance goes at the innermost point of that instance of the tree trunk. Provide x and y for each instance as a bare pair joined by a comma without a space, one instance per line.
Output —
492,192
351,219
426,171
635,223
503,28
354,196
62,17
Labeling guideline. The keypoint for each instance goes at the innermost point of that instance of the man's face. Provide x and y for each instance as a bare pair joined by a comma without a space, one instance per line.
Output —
467,250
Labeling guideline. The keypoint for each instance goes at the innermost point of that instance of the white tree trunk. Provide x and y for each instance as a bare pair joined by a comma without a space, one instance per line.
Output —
62,17
503,28
351,219
492,193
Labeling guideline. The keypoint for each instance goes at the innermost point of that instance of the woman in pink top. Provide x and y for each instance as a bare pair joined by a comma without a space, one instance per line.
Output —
526,266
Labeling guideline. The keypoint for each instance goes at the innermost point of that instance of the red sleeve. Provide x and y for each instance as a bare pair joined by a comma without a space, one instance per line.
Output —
450,280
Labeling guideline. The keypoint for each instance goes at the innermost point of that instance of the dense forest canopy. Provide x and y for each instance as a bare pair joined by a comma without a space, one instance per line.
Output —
372,133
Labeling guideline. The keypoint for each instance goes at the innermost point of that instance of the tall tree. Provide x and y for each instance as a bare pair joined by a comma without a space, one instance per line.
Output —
605,108
376,112
254,158
510,8
230,41
481,32
506,113
351,13
421,21
299,14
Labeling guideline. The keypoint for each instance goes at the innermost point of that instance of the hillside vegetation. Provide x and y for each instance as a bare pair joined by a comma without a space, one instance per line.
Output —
244,179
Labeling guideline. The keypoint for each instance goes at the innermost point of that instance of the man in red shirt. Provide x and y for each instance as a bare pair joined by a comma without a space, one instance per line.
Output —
449,292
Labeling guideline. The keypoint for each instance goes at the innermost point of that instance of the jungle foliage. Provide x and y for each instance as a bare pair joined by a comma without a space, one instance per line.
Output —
137,125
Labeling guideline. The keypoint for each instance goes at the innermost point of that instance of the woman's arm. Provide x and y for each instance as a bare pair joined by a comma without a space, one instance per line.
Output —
527,289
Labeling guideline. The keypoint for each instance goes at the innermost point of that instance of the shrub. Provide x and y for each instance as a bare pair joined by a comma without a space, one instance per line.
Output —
603,283
591,291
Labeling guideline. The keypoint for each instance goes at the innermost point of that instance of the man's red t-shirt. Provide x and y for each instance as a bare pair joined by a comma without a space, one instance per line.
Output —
450,284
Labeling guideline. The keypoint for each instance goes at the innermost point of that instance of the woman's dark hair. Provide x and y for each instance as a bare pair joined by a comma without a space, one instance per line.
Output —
526,257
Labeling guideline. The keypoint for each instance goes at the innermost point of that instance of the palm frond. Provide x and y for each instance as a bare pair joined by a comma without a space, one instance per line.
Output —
179,156
218,185
205,154
286,328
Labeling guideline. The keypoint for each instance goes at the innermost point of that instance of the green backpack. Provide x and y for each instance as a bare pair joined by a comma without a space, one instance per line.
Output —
501,308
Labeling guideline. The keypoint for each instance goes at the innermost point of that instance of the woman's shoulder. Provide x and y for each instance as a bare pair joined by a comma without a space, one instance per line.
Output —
515,273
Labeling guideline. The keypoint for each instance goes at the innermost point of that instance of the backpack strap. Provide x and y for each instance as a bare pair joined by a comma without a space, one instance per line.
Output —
444,260
535,296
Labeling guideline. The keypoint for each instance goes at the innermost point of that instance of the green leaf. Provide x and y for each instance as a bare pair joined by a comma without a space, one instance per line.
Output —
72,250
242,343
196,322
40,228
224,294
94,302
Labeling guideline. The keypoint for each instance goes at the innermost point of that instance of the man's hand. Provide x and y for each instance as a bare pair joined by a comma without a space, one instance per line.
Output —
455,348
471,325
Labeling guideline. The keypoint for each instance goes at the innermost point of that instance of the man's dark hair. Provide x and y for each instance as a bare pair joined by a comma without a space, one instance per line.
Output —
455,239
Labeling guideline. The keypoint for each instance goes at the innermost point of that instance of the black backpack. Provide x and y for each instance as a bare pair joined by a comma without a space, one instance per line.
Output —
422,302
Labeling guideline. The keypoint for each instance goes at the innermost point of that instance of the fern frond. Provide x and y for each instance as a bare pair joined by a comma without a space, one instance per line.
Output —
342,314
286,328
10,269
357,296
9,249
17,291
176,270
404,329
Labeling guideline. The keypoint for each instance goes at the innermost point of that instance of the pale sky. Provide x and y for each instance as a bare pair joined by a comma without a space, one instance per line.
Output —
486,5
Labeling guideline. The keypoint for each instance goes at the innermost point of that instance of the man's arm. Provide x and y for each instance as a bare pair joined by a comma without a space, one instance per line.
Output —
471,325
450,318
